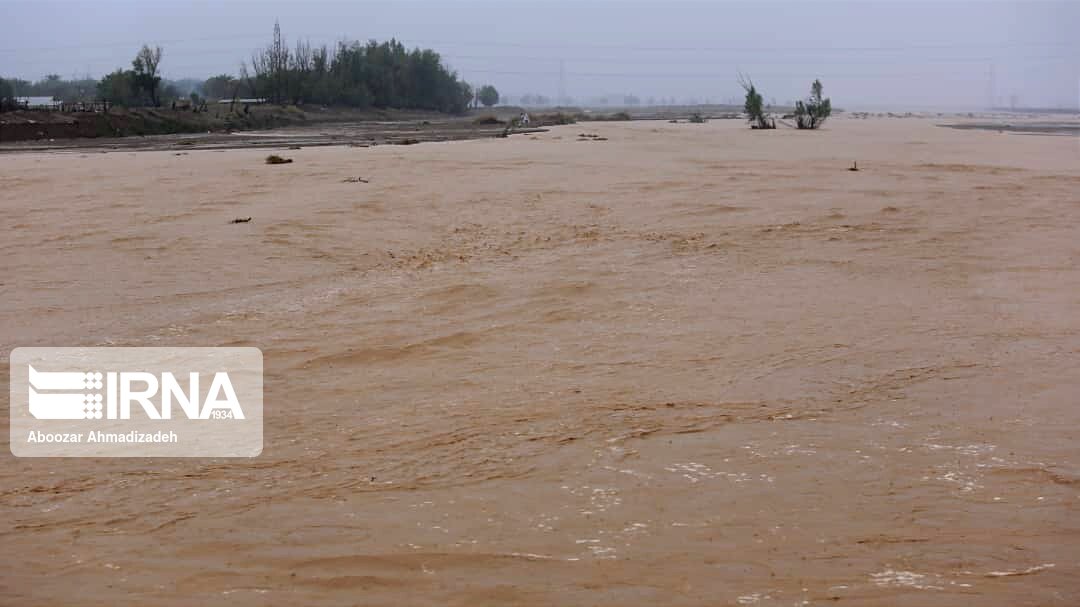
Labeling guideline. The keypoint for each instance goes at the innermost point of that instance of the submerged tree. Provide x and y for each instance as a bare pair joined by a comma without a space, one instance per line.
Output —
755,105
812,113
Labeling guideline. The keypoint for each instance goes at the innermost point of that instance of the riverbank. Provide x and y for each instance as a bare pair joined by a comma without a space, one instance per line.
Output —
43,126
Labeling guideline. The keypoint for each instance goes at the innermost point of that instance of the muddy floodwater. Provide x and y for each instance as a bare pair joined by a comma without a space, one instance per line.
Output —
608,364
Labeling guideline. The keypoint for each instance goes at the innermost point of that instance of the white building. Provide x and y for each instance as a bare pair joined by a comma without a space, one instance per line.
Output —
38,103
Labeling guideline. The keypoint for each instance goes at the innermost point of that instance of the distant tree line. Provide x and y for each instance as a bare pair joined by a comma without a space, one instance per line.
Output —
140,86
353,74
535,100
372,74
52,86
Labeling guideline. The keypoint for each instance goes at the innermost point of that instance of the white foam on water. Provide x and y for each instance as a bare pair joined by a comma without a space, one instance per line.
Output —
602,552
974,449
904,579
532,556
1029,570
795,449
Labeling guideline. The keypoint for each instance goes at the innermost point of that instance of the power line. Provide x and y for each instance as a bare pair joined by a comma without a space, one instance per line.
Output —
756,49
240,53
79,47
562,80
714,75
872,62
472,43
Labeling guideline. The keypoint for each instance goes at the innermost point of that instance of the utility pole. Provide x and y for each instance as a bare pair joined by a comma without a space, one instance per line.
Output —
562,83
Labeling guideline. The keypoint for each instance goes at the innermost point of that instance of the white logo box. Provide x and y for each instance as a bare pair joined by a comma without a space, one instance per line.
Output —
136,402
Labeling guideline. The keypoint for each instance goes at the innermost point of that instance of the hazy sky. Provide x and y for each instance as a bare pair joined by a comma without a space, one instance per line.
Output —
866,53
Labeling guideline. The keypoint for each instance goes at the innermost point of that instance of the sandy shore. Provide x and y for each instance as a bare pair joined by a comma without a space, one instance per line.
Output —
688,365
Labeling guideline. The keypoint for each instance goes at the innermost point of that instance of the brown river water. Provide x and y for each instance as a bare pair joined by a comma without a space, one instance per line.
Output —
677,364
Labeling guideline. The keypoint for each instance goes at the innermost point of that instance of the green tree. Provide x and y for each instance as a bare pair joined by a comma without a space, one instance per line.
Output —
118,88
355,74
271,67
488,95
755,105
219,87
55,87
812,113
301,68
7,95
467,95
145,70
